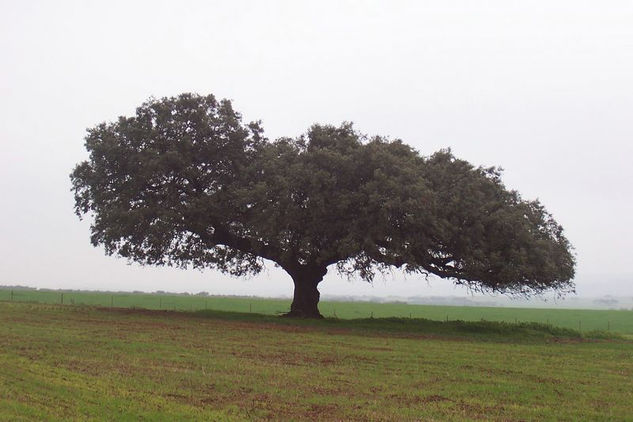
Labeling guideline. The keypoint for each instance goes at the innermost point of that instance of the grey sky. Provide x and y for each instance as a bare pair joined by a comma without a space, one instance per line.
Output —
543,89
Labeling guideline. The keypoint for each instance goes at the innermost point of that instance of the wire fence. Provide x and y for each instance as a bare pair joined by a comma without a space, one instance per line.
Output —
620,321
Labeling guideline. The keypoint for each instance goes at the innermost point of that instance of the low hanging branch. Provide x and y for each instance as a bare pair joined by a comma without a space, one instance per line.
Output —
184,182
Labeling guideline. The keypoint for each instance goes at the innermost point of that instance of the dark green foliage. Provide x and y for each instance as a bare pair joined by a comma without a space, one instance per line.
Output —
185,182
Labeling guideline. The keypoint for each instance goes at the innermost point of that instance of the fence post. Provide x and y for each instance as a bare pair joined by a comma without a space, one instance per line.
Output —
11,295
62,299
160,303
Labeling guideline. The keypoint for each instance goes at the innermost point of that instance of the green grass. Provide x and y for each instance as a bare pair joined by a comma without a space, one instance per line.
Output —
582,320
85,363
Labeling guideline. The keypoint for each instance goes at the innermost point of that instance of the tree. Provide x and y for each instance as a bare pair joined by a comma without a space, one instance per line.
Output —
185,183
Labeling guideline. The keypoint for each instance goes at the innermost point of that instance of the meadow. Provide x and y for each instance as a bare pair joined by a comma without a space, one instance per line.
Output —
64,362
619,321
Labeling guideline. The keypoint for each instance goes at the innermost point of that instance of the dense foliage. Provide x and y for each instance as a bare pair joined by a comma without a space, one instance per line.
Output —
185,182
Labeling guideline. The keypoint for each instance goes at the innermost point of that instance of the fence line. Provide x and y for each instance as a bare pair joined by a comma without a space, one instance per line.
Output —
618,321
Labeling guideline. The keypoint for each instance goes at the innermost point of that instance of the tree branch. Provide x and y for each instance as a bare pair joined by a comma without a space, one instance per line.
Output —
222,236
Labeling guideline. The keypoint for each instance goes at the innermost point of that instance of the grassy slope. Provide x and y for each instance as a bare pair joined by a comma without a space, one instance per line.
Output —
85,363
585,320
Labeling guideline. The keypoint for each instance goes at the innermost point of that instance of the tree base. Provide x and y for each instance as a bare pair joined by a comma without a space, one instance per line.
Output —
302,315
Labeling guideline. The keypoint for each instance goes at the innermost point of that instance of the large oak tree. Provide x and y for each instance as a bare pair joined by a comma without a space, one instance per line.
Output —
185,182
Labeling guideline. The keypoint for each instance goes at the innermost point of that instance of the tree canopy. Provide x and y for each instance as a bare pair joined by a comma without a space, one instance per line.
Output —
184,182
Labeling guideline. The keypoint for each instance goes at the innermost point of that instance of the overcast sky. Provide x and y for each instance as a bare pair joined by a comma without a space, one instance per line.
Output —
543,89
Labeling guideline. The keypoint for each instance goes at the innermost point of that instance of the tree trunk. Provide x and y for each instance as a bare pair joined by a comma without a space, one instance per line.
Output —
306,296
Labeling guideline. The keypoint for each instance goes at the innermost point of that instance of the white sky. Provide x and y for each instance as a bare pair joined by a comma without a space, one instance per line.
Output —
543,89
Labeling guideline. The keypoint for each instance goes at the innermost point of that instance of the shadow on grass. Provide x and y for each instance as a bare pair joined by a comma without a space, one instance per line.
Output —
476,330
493,331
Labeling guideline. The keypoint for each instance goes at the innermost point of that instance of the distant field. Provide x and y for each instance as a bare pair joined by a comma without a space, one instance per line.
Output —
84,363
583,320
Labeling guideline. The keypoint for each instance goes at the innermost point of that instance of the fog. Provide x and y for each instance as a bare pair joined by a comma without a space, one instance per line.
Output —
542,89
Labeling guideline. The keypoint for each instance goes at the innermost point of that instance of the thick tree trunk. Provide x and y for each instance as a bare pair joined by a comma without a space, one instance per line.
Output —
306,296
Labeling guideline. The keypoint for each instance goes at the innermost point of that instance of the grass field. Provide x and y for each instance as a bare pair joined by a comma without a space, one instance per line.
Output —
85,363
582,320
